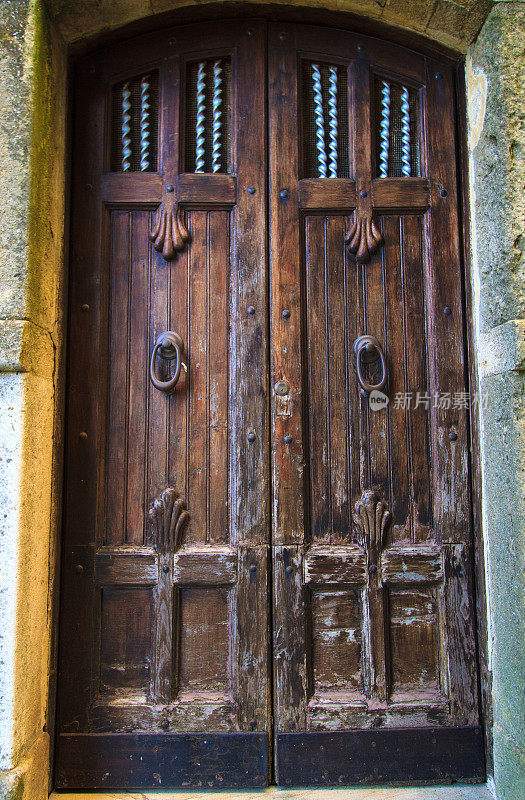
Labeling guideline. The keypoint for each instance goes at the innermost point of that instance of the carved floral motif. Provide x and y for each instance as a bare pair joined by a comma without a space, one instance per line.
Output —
363,238
168,517
169,234
372,520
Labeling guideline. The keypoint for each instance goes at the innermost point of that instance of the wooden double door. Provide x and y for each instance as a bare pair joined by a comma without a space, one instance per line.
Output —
267,537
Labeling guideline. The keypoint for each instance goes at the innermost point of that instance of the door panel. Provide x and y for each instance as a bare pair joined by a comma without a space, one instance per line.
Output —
199,369
369,503
164,630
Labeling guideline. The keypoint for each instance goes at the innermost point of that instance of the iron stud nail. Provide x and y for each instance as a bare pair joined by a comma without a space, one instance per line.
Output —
250,32
287,438
165,569
289,570
251,310
284,193
253,569
286,313
372,569
252,724
453,436
251,437
363,193
443,192
282,37
447,311
79,568
170,188
251,189
85,307
83,435
438,76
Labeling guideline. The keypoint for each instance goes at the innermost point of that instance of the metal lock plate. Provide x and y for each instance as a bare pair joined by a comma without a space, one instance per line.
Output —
282,388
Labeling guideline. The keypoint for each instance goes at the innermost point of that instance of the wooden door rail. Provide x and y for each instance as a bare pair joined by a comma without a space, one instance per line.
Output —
189,189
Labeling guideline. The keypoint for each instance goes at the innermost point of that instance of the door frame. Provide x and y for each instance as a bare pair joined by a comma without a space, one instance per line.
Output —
347,21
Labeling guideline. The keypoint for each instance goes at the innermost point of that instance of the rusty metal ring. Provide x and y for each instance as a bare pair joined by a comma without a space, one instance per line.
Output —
367,344
170,346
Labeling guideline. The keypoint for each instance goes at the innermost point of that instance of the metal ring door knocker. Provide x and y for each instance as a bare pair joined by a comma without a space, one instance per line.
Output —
366,349
170,346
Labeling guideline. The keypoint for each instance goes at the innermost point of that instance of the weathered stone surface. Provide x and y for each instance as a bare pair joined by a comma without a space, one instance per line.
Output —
502,348
496,99
498,166
26,347
15,89
454,23
26,444
32,167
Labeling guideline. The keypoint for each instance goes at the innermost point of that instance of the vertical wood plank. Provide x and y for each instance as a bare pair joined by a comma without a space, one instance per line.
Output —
163,437
417,374
218,359
119,322
446,368
450,468
359,92
248,378
354,324
318,380
378,429
395,294
179,305
285,266
162,668
198,378
289,642
85,411
248,402
337,379
138,364
252,673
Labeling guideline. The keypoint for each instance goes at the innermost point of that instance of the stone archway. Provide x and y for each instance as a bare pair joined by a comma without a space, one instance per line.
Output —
33,158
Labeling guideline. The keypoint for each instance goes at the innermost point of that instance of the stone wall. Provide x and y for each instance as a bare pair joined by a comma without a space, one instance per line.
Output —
32,190
496,103
32,185
454,23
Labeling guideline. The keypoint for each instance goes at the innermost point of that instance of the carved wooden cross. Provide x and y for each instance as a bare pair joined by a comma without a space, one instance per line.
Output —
366,195
166,564
374,566
168,233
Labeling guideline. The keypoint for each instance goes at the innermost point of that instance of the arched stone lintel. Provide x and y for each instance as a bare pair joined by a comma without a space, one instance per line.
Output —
451,23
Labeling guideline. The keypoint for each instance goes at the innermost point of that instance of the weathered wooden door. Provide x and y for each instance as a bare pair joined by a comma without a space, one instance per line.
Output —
267,541
165,612
373,612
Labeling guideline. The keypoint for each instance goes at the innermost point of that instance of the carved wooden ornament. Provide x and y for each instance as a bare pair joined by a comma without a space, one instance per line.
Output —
372,520
169,518
169,233
364,237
